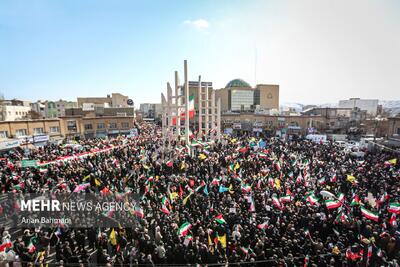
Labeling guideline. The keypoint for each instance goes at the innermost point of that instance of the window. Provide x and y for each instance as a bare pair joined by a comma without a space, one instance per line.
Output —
54,129
3,134
37,131
398,130
100,126
112,125
242,99
125,125
269,96
20,132
88,126
71,125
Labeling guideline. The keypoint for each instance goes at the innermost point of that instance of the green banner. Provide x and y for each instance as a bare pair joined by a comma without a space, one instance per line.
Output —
28,163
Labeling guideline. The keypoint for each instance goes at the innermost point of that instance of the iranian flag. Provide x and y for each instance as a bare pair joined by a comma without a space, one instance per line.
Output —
216,181
393,220
195,144
299,178
332,204
181,111
184,229
165,210
355,201
277,203
219,219
312,199
263,155
322,181
139,212
370,214
170,163
31,246
307,258
278,166
263,225
164,201
246,188
5,245
394,207
285,199
245,250
334,178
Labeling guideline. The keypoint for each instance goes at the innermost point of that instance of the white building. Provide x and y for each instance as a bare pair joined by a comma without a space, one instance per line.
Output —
12,110
369,105
150,110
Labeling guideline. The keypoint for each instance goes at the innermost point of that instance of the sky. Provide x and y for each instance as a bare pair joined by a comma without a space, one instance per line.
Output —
318,51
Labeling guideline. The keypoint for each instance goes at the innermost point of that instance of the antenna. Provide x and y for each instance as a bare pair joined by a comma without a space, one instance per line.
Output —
255,66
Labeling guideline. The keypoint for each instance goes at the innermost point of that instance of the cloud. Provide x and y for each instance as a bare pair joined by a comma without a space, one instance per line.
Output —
199,24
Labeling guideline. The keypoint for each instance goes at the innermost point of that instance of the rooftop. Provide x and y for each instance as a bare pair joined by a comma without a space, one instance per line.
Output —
237,83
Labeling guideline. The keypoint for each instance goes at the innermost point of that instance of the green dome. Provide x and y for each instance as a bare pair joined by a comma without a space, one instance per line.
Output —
237,83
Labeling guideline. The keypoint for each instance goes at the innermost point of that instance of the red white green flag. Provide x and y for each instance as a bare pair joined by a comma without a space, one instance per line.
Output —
332,204
370,214
181,111
355,201
286,198
219,219
393,221
245,250
184,229
394,207
139,212
165,210
276,202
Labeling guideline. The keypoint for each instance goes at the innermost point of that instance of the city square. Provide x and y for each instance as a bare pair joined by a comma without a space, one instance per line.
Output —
188,164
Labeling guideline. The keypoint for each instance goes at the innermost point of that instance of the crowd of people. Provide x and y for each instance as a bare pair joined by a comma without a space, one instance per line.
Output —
241,201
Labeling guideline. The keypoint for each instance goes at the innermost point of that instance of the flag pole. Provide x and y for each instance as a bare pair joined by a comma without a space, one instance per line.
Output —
186,103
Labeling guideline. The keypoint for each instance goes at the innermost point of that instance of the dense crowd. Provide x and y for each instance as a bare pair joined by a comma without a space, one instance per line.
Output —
244,201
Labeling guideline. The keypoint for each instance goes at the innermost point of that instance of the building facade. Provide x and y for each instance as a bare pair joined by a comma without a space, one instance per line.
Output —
27,128
116,100
270,125
12,110
239,96
369,105
52,109
100,111
150,110
96,127
394,127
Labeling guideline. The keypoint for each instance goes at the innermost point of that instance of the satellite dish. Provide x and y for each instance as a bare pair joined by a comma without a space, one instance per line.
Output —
130,102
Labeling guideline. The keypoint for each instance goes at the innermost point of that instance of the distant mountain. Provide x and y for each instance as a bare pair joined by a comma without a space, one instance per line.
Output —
390,106
298,107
